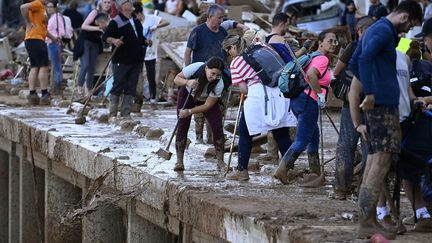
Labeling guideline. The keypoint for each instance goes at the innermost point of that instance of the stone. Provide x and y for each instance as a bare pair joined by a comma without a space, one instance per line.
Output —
254,165
267,169
22,94
100,115
76,107
14,91
62,103
154,133
142,130
128,125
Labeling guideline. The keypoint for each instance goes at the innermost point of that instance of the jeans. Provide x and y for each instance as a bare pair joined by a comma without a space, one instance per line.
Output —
151,77
281,135
306,110
345,151
54,51
125,78
88,64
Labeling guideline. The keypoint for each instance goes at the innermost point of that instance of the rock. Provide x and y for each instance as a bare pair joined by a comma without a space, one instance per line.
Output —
100,115
123,157
142,130
254,165
14,91
22,94
267,169
128,125
61,103
154,133
229,127
76,107
210,153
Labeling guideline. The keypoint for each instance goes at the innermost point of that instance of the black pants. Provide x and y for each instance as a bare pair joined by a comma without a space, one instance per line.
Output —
125,78
151,77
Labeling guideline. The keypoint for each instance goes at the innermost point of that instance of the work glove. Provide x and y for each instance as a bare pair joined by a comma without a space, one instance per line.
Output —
321,100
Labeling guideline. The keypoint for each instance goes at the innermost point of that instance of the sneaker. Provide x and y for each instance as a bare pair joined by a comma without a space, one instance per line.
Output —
33,99
408,220
238,175
423,225
45,99
153,101
162,100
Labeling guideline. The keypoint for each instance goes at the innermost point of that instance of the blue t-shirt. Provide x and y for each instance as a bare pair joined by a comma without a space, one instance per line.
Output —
206,43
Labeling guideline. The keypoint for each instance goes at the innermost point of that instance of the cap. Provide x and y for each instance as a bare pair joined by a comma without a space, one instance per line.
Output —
426,30
121,2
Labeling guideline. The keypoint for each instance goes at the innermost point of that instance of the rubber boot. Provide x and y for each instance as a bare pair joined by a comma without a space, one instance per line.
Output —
138,102
286,163
368,225
113,106
199,127
220,150
209,133
180,148
126,105
314,163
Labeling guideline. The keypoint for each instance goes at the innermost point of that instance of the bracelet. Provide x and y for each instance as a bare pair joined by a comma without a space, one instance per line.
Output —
357,126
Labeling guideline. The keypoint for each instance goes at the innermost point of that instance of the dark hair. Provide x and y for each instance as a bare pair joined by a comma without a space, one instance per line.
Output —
54,3
213,62
73,5
364,22
279,18
214,9
414,52
101,17
324,33
138,7
412,8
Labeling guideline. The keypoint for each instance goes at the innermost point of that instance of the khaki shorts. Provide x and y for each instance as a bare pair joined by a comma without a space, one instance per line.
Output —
383,128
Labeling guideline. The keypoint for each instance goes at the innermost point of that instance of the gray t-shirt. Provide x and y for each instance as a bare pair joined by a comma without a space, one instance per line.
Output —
190,70
402,70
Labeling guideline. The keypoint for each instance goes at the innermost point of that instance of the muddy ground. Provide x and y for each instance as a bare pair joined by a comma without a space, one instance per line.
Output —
317,217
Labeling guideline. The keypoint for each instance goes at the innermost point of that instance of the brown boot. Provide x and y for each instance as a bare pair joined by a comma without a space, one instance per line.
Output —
314,163
368,225
220,150
238,175
113,105
180,148
286,163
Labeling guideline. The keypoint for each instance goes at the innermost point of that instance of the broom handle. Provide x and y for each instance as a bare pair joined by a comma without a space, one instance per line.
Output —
235,130
178,119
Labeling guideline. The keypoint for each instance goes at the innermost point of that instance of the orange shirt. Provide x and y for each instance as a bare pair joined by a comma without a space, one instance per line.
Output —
39,21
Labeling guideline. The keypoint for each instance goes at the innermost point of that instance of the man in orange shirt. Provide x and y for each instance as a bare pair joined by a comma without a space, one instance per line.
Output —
36,31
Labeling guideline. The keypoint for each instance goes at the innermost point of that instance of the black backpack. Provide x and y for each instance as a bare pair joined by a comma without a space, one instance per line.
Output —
266,63
420,77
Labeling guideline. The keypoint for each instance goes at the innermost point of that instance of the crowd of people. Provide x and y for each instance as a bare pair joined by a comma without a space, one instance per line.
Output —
384,90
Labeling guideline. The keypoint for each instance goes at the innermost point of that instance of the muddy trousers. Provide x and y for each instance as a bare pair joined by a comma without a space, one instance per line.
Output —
213,116
151,77
281,135
345,151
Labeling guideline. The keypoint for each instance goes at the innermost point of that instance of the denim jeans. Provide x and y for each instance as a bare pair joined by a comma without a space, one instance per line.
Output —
88,64
306,110
54,50
151,77
345,151
281,135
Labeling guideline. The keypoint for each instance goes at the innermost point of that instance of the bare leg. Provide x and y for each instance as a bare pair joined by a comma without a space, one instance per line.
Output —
33,76
43,77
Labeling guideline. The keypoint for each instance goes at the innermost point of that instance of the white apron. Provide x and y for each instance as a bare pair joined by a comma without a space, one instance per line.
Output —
261,116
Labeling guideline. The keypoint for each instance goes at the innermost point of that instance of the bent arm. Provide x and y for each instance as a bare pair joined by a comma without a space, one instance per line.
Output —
187,56
209,103
163,23
87,22
340,66
180,79
24,11
312,76
354,101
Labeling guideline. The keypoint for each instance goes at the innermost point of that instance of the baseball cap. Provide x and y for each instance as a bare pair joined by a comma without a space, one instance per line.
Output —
426,30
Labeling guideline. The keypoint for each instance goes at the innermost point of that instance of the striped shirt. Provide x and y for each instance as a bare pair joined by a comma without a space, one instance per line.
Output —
243,72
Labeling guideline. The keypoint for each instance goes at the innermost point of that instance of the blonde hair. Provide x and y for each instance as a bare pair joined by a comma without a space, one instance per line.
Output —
234,40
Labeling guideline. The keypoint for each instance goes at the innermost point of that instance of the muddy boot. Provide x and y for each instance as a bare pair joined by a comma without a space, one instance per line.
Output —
220,150
209,133
199,127
33,99
138,102
126,105
238,175
180,148
314,163
113,105
368,225
286,163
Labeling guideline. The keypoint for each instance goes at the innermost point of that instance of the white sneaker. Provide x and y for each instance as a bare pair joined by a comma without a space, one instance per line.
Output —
153,101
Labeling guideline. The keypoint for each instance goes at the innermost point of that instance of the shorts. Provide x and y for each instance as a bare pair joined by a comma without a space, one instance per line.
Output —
383,128
38,52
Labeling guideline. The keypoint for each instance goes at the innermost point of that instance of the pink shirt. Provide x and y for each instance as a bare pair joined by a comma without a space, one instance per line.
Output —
56,26
321,64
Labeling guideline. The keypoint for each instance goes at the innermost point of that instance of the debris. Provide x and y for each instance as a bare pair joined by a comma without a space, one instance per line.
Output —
105,150
14,91
123,157
210,153
254,165
128,125
142,130
100,115
154,133
347,216
60,103
267,169
23,94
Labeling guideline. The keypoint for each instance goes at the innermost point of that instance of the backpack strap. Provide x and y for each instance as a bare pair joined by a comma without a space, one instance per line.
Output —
198,72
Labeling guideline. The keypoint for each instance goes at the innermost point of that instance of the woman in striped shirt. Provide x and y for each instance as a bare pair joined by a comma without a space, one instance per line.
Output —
253,120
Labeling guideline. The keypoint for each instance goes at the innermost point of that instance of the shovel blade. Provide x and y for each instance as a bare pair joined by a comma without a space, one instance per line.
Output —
164,154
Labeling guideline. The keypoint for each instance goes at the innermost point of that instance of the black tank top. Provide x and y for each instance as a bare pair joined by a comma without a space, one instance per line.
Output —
267,39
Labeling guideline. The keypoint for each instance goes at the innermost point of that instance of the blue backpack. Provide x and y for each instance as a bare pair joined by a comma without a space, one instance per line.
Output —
291,80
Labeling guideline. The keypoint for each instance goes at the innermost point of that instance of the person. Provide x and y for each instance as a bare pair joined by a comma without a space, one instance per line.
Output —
348,138
92,47
349,18
126,33
253,120
150,24
171,6
56,28
377,9
276,38
34,41
305,108
204,84
427,8
374,64
75,17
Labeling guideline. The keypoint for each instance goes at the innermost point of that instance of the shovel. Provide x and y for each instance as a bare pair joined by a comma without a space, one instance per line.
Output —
77,67
234,135
165,153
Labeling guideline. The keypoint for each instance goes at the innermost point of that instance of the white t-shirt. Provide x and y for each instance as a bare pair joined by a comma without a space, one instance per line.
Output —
151,21
190,70
402,72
